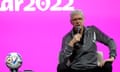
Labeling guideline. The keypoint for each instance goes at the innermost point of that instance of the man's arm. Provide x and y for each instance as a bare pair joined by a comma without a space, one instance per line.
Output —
67,47
65,52
101,37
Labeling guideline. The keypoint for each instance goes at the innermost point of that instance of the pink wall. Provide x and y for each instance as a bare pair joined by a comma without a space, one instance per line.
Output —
37,35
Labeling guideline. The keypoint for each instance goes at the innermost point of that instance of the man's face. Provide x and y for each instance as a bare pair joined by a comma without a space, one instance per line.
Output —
77,20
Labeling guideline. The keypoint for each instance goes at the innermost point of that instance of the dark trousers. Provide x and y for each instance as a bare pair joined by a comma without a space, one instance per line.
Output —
106,68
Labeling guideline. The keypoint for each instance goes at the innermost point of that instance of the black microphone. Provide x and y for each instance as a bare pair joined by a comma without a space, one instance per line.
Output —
78,29
77,45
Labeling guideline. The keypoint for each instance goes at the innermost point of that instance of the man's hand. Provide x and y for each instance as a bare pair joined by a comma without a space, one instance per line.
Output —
75,39
107,60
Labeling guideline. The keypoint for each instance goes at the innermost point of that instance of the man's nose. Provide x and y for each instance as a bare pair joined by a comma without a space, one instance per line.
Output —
78,22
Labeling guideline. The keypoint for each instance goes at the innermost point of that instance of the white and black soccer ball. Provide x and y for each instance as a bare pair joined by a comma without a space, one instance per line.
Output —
13,60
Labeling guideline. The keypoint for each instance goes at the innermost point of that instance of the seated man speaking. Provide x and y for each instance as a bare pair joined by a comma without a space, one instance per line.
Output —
79,50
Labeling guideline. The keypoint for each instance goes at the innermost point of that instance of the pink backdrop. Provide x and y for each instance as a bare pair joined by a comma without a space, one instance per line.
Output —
37,35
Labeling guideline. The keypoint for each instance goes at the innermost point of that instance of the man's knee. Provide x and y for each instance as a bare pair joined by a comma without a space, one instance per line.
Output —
108,65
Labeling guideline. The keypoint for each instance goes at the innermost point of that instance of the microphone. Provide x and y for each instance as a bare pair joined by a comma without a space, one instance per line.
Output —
78,29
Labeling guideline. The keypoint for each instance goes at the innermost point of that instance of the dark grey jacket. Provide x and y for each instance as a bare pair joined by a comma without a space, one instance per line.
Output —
86,56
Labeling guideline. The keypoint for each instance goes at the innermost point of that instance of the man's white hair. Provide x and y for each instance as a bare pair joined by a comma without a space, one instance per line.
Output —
76,11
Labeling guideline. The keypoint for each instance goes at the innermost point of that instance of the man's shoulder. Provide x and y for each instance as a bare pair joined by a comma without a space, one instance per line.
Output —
92,27
67,35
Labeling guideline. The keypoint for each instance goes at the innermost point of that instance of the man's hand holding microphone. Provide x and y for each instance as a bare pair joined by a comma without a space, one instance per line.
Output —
77,37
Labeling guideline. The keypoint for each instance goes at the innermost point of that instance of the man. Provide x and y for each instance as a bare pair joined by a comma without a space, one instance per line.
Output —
79,51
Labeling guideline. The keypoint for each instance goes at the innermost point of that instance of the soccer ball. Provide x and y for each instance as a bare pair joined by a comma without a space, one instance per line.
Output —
13,60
